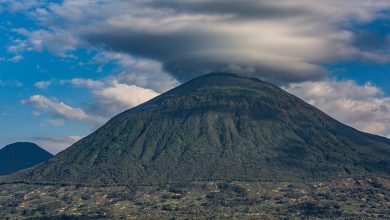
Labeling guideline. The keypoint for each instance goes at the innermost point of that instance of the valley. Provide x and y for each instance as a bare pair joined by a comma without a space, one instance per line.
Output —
350,198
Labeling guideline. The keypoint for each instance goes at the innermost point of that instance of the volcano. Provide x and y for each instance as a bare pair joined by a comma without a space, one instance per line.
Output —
21,155
217,127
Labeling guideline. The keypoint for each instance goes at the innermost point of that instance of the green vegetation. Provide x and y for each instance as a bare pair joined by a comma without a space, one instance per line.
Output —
216,127
351,198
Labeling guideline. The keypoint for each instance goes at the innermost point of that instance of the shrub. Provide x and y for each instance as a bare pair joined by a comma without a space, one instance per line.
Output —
177,190
85,196
239,190
223,185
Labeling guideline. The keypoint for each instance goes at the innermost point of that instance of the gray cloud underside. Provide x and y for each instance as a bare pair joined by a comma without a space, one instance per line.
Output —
186,55
196,38
248,9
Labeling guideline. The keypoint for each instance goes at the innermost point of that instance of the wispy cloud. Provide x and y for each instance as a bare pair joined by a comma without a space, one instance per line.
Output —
78,82
83,82
21,5
43,84
16,58
10,83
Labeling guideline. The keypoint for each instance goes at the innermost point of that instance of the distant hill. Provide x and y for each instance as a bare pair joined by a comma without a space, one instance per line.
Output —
217,127
21,155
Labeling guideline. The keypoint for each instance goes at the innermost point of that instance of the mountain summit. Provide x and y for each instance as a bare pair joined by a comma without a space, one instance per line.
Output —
21,155
217,127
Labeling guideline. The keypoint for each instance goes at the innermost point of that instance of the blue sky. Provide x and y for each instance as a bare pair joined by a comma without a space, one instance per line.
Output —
66,67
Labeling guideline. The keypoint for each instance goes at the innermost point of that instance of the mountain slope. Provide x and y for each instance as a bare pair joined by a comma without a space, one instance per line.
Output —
21,155
218,126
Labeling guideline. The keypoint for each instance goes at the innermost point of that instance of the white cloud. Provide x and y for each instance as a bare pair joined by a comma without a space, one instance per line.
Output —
10,83
57,41
20,5
78,82
43,84
36,113
111,98
17,46
16,58
119,97
89,83
362,106
57,108
120,58
55,122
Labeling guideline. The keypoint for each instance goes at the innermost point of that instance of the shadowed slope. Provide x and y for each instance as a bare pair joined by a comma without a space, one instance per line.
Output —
218,126
21,155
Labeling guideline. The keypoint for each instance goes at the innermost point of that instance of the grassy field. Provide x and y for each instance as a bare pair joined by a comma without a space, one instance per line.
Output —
361,197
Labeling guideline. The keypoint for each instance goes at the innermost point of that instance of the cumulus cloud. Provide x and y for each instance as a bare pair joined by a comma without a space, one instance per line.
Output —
58,109
119,97
110,97
280,41
361,106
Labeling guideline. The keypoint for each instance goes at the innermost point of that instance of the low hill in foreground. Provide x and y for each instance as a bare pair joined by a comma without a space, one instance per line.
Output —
217,127
21,155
